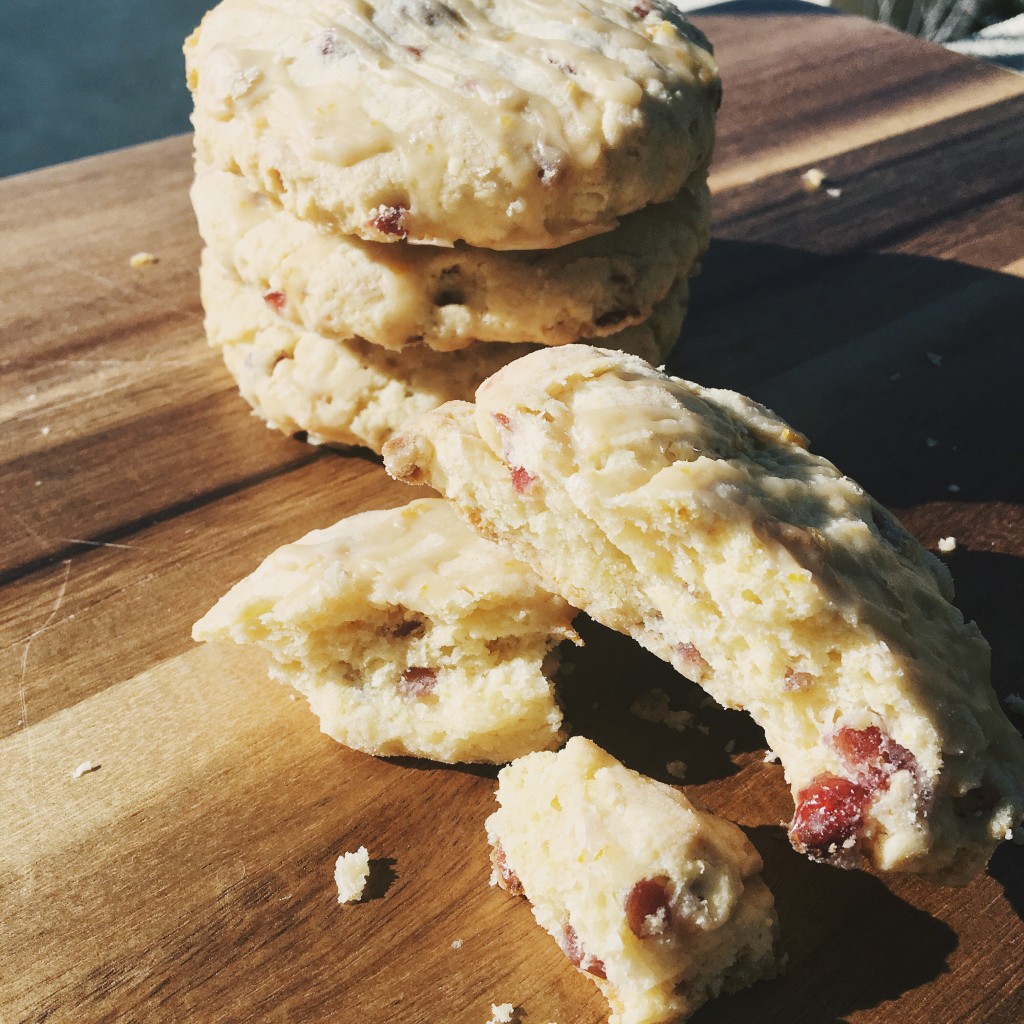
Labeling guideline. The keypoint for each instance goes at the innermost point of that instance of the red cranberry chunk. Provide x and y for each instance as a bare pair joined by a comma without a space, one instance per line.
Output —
522,479
829,815
573,949
390,220
417,682
648,900
871,756
509,879
274,299
642,8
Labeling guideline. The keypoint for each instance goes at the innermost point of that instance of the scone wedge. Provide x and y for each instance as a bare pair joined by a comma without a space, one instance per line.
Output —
697,522
659,903
408,634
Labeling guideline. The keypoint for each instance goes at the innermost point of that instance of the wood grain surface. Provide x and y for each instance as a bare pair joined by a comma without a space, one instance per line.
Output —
189,876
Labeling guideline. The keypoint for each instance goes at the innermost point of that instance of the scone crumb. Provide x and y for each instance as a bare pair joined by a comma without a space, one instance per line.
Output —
953,488
813,179
931,442
84,769
833,193
677,769
457,944
142,259
653,706
947,544
770,757
350,873
502,1013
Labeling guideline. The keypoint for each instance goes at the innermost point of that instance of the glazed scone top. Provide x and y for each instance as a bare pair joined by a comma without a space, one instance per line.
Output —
439,568
504,123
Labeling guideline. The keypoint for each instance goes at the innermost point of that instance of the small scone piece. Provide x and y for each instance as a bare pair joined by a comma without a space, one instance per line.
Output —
697,522
660,903
506,124
408,634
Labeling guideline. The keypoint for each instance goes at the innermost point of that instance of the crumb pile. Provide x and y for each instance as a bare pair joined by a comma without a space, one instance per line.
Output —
398,199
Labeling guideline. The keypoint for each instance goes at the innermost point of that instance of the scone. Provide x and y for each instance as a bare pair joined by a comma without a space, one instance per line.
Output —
661,904
697,522
353,392
505,124
408,634
343,287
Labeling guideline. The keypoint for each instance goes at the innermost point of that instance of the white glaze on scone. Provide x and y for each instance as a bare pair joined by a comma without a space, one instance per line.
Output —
507,124
660,904
354,392
408,634
343,287
697,522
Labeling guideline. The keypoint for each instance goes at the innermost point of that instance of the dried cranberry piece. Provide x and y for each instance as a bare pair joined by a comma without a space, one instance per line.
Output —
648,899
416,51
829,814
796,681
871,756
522,479
417,682
274,299
641,8
691,662
579,957
390,220
508,879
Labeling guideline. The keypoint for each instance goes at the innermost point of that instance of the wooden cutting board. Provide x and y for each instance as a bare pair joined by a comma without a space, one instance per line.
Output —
188,877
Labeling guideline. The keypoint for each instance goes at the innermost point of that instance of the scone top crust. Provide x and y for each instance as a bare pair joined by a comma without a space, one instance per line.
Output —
508,124
417,559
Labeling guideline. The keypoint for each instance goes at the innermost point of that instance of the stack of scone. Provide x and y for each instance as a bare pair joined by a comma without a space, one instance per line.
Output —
398,198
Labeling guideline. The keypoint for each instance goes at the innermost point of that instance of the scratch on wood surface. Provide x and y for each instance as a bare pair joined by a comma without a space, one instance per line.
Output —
97,543
29,528
22,700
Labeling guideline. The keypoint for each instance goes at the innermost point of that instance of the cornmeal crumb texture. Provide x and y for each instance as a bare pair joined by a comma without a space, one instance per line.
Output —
354,392
661,904
696,521
408,634
506,124
343,287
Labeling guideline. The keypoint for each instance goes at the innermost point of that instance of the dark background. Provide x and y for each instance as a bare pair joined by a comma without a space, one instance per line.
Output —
84,76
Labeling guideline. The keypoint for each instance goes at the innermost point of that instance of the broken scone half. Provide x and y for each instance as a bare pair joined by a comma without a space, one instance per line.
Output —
697,522
408,634
661,904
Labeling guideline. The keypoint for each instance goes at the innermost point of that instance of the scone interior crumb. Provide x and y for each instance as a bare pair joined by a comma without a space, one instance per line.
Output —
351,870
